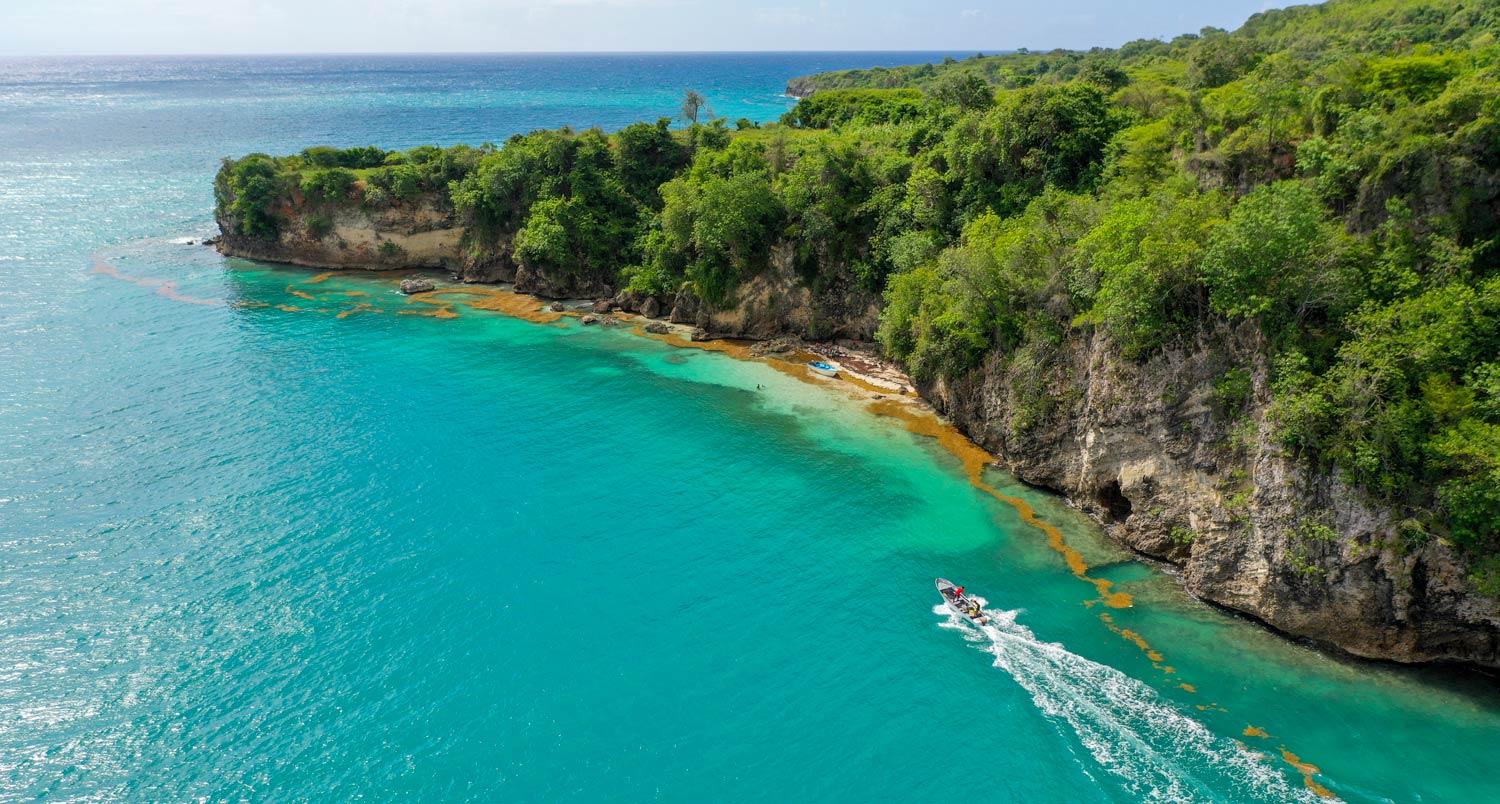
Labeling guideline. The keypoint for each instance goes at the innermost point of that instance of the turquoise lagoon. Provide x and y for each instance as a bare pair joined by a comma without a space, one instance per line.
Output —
252,549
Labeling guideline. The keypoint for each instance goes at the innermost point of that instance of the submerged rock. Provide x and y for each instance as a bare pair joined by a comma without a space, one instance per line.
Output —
417,285
608,321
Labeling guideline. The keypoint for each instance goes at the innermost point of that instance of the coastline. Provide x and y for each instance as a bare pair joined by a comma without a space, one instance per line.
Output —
887,391
881,388
865,378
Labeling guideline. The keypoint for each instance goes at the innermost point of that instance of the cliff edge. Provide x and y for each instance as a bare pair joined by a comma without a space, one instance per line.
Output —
1180,474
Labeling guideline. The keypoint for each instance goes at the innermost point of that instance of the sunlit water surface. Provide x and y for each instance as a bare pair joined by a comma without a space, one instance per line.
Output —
270,539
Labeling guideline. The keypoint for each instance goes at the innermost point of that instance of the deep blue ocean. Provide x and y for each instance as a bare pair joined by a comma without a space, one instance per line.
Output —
266,537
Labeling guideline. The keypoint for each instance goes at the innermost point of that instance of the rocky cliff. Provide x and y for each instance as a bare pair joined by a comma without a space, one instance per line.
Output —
424,234
419,234
1176,466
1182,469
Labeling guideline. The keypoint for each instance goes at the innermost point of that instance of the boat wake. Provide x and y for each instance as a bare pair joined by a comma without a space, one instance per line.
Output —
1156,752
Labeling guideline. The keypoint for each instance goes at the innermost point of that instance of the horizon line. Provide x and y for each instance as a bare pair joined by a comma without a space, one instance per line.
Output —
858,51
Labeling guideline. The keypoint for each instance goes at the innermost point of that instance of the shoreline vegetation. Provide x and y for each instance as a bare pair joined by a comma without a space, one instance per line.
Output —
1234,293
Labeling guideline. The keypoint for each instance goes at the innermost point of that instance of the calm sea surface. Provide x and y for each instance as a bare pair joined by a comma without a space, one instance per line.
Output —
264,538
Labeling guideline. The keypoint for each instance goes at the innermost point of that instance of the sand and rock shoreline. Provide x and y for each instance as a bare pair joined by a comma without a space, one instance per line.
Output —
1119,464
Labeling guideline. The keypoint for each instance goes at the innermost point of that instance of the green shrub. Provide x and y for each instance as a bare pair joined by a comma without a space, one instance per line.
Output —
838,106
319,226
1232,391
328,186
247,190
1274,255
353,158
1183,536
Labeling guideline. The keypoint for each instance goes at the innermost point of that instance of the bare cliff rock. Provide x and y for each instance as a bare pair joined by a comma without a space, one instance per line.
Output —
1180,468
420,234
778,302
426,234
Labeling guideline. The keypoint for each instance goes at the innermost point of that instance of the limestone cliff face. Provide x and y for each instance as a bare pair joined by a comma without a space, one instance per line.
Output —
778,302
424,234
802,87
420,234
1179,474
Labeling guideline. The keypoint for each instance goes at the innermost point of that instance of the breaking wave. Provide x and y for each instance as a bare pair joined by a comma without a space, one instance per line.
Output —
1157,753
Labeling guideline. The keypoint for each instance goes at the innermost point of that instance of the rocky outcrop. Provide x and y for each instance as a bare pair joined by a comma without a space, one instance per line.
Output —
417,285
425,234
1180,468
777,302
530,279
778,346
802,87
419,234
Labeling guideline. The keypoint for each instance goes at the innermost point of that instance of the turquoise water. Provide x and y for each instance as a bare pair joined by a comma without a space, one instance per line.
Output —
250,553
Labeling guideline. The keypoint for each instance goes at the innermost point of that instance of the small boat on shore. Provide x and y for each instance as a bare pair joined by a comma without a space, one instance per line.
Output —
823,368
960,603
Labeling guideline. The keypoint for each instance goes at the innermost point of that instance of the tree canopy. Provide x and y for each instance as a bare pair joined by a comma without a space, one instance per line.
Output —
1329,175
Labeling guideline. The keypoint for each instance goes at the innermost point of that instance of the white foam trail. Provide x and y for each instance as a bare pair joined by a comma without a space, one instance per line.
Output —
1158,753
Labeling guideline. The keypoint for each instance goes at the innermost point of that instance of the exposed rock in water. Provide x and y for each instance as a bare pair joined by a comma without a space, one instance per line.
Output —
603,306
651,308
557,307
700,334
417,285
658,327
1148,450
589,320
609,321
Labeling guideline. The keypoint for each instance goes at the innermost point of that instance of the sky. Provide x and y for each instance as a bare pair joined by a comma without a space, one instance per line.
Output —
77,27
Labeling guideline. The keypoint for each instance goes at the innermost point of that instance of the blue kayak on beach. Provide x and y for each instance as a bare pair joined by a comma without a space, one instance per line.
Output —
825,369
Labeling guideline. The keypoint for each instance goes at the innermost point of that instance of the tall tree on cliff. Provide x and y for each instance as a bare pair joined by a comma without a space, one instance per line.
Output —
693,104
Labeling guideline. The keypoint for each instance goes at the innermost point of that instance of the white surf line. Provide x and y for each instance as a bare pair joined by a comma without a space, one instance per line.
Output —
1155,751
